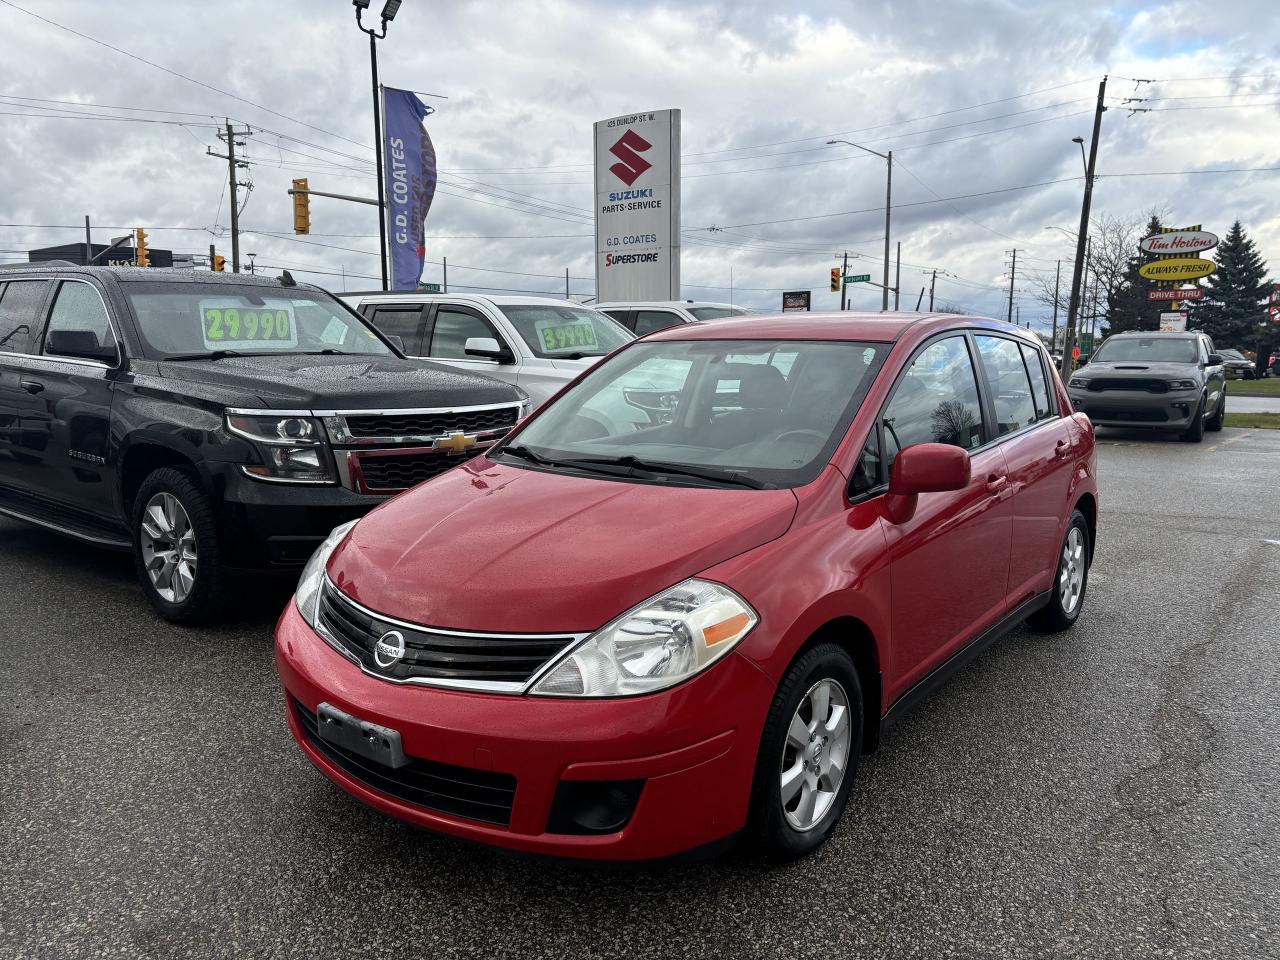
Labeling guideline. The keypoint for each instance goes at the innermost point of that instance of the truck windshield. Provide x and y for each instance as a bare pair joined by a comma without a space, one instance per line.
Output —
750,413
566,332
1148,350
192,321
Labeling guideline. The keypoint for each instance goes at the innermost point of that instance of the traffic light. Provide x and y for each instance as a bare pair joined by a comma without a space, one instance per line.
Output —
835,279
301,207
141,256
219,263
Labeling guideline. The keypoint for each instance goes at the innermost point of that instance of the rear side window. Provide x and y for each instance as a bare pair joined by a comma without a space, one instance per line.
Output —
647,321
1039,383
453,327
1010,386
78,310
936,401
399,320
19,314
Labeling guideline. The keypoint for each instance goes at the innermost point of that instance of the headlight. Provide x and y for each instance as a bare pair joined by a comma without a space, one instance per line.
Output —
308,592
1182,384
293,448
1080,382
656,645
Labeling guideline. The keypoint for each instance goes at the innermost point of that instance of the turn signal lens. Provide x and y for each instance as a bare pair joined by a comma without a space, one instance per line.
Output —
658,644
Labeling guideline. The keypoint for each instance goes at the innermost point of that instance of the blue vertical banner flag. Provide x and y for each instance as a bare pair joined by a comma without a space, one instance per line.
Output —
409,161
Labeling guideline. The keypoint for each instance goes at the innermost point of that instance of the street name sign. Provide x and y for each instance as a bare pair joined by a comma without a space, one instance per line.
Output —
859,278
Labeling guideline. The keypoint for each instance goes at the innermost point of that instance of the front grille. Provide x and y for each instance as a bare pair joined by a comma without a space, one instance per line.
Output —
460,791
1154,415
1098,384
458,659
391,473
430,424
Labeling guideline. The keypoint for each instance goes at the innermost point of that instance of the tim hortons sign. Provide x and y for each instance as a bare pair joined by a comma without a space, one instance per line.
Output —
1180,242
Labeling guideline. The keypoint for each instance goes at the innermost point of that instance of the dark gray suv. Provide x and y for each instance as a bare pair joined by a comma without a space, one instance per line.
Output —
1165,381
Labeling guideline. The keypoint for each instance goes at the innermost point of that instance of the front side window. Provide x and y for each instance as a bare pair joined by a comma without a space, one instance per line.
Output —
1008,379
936,401
1147,350
190,321
19,309
756,413
647,321
79,312
553,331
453,328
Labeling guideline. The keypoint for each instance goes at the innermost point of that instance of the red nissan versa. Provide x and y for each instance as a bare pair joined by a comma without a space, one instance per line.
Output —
678,602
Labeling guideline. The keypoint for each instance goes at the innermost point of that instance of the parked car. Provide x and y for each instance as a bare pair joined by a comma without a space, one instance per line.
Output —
647,316
631,645
539,343
1235,362
1161,381
214,423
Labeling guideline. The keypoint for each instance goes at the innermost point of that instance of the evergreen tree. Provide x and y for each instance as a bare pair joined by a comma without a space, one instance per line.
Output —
1234,306
1128,307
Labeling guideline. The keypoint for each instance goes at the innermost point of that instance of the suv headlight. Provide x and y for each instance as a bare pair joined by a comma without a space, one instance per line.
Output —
1182,384
308,592
293,448
1080,382
663,641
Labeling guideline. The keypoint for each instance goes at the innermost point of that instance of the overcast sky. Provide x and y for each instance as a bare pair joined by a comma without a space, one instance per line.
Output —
762,86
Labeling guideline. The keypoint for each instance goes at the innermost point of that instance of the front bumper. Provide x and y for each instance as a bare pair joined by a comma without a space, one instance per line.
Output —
1137,408
693,747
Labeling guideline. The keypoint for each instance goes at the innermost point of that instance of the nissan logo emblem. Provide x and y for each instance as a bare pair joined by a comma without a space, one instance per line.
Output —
389,650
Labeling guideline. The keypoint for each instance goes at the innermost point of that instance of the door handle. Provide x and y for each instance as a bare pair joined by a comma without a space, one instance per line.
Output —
32,386
996,484
1062,446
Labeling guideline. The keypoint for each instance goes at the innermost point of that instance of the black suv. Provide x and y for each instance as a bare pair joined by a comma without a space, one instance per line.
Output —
214,423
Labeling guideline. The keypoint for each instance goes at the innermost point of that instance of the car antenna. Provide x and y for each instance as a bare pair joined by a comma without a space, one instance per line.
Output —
286,279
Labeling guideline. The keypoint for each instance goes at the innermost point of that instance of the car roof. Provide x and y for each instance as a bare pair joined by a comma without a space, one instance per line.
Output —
144,274
845,325
667,303
1147,334
501,300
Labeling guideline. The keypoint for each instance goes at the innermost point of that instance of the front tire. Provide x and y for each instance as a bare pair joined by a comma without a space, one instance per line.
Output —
1214,423
808,754
1195,432
1070,581
176,548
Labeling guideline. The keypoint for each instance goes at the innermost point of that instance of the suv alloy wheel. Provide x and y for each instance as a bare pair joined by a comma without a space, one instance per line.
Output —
175,547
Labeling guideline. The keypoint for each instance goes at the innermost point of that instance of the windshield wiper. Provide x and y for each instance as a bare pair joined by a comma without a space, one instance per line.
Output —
213,355
524,453
674,469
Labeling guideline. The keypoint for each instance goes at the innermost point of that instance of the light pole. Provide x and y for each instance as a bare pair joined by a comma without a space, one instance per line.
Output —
389,12
251,264
888,206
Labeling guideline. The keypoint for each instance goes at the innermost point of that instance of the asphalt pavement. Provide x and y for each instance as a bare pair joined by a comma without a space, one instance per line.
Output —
1238,404
1108,792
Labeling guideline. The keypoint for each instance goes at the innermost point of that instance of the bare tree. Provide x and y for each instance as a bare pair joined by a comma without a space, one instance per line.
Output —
952,308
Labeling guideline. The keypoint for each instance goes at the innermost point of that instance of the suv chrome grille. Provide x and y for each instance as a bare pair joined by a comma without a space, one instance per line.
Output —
394,425
501,663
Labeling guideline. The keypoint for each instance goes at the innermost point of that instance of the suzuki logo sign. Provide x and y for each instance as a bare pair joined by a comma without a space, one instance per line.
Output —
637,193
628,150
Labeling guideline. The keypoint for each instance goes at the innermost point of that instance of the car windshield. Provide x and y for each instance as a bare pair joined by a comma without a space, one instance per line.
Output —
192,321
1147,350
566,332
754,413
715,313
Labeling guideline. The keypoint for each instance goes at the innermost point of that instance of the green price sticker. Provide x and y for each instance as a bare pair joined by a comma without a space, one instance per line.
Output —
233,326
567,336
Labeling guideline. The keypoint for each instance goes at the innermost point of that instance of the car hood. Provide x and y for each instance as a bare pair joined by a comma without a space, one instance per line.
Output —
489,546
343,382
1137,368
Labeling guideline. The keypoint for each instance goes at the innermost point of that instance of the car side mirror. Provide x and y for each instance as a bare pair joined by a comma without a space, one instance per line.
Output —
1215,359
488,348
397,342
81,344
924,468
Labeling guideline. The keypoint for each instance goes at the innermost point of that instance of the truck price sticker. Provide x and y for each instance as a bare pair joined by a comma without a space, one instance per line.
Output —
565,336
232,325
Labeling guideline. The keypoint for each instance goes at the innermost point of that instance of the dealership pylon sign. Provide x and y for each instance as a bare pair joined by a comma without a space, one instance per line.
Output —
637,177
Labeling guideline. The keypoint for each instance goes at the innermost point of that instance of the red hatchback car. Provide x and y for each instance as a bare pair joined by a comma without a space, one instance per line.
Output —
677,603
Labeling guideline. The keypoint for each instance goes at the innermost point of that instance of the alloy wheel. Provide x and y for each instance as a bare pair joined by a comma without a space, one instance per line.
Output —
1071,571
168,547
816,755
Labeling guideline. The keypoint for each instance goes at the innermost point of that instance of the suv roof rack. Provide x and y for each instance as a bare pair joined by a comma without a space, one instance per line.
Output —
37,263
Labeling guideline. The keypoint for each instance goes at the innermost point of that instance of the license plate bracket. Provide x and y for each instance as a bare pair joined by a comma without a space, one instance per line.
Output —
369,740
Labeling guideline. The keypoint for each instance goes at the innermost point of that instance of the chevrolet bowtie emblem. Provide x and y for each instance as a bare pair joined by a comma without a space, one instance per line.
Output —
457,442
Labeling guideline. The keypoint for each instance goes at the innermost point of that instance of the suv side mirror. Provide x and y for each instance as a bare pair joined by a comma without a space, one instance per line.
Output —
81,344
397,342
1215,359
488,348
924,468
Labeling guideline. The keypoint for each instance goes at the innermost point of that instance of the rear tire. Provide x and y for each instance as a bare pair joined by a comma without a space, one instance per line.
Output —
806,764
1195,432
1070,580
1214,423
176,548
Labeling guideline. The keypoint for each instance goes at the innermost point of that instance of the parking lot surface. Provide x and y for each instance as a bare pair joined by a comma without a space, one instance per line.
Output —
1110,791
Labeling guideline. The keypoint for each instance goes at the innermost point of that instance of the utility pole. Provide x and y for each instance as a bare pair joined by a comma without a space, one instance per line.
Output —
1074,305
844,288
933,280
888,207
445,261
897,278
88,243
1013,273
232,165
566,282
1057,282
388,14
